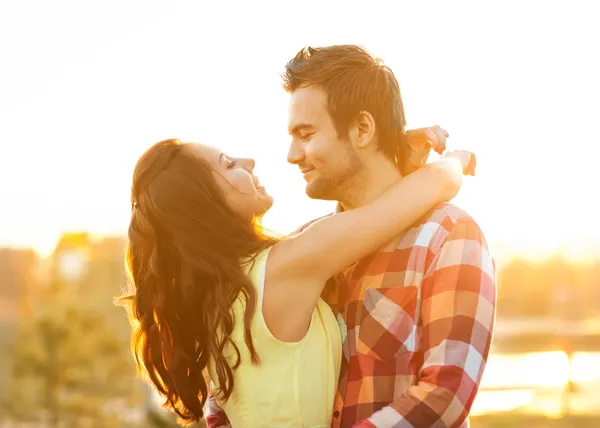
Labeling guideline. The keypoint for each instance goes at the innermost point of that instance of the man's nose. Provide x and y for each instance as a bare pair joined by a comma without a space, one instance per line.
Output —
295,153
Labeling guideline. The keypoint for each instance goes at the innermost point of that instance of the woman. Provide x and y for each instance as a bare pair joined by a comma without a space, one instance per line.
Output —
207,302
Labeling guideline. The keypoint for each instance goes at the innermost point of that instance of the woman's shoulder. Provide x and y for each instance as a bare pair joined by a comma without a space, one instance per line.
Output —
256,263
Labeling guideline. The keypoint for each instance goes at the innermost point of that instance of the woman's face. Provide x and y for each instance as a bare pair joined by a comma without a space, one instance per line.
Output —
234,176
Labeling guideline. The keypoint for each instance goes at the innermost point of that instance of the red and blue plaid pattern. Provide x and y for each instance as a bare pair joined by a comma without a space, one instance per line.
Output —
418,322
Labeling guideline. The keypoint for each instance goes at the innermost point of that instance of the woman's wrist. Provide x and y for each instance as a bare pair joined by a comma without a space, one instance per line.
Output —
448,172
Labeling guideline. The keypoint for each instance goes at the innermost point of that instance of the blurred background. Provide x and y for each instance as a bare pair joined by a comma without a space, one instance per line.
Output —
86,87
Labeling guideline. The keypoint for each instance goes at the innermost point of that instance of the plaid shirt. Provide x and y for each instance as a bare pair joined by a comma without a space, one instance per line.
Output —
417,325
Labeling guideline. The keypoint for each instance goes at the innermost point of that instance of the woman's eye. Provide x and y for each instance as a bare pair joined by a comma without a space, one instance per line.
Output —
231,164
305,137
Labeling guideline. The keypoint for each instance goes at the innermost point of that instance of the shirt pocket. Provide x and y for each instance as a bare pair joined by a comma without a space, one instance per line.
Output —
387,326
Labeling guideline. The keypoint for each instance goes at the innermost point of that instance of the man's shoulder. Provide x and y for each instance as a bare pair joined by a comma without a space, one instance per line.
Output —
431,230
444,214
447,215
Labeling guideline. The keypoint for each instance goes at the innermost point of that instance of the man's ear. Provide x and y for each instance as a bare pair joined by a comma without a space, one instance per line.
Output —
364,132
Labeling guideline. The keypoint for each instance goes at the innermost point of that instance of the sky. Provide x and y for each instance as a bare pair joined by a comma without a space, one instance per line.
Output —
86,87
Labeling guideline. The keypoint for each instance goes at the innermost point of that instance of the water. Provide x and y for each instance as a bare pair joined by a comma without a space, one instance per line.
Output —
539,383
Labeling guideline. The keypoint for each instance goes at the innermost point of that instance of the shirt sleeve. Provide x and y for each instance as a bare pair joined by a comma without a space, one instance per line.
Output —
457,315
214,415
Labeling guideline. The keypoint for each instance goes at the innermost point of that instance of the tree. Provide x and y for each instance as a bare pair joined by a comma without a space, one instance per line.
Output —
70,369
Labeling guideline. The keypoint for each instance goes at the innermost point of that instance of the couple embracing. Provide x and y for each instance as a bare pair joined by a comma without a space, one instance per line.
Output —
378,315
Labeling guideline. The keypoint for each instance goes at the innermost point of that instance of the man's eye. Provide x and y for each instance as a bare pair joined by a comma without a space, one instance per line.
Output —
231,164
306,137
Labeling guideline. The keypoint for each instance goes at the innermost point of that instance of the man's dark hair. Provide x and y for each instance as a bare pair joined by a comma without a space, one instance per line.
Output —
354,81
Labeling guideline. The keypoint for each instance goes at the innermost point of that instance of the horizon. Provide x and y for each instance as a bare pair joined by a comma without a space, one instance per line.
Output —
502,256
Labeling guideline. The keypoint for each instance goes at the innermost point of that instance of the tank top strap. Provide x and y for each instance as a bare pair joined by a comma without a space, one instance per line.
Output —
256,272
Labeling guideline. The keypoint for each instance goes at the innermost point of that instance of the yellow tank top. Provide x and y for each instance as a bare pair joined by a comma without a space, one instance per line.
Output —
294,384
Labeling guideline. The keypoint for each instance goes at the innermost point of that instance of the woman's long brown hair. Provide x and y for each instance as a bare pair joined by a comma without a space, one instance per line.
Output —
184,261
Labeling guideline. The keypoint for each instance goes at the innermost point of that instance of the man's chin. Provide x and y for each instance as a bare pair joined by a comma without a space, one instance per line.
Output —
314,191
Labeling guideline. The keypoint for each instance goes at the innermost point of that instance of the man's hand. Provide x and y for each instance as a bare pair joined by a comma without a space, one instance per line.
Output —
420,142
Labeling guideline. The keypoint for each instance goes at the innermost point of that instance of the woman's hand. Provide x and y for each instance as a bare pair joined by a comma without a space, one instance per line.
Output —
453,166
420,143
424,139
465,159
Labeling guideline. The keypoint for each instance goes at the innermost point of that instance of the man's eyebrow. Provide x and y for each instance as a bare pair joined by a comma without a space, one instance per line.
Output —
299,127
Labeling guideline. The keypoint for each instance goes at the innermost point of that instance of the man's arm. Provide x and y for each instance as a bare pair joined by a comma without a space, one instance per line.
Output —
214,415
458,312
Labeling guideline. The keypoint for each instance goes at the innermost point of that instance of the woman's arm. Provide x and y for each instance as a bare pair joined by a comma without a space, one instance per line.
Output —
331,244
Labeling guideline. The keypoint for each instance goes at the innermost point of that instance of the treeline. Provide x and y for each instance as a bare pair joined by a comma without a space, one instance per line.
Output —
550,287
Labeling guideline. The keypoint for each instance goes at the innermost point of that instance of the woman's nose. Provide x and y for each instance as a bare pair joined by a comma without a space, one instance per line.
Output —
248,164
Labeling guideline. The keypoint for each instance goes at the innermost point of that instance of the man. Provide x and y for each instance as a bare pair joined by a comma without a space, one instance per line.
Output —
417,316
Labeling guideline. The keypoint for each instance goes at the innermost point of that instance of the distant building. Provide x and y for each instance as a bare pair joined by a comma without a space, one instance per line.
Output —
19,276
92,271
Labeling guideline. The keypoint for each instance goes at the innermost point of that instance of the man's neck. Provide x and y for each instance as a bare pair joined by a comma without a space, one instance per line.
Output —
378,175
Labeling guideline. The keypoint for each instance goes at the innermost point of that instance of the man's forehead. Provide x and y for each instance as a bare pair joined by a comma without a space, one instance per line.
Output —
307,105
308,96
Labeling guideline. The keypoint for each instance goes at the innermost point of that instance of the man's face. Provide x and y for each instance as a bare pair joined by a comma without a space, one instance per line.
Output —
326,160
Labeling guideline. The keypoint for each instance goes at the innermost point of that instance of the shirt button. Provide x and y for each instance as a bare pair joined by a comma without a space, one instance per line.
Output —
336,414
